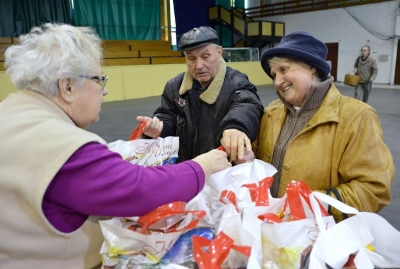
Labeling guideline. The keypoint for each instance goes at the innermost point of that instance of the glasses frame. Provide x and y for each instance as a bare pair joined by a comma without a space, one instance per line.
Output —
101,79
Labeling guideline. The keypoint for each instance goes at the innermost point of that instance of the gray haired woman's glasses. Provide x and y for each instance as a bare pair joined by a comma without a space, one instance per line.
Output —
102,80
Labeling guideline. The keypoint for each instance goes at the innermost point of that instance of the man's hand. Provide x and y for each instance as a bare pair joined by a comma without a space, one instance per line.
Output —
235,143
153,126
248,157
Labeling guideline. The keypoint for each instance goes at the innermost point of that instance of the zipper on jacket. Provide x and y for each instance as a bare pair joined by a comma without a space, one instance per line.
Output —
195,142
197,126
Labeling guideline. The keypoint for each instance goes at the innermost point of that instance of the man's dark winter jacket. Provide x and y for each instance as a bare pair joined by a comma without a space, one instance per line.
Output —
199,116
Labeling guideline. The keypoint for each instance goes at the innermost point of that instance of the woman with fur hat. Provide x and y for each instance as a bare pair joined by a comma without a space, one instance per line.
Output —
314,134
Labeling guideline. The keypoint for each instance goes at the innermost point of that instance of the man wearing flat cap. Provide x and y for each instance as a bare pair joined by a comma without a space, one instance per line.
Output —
208,105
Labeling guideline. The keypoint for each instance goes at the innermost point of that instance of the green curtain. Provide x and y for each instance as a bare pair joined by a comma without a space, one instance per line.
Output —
225,3
120,19
225,36
6,18
239,4
19,16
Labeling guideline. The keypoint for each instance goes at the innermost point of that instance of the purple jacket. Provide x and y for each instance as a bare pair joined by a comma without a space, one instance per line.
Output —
96,181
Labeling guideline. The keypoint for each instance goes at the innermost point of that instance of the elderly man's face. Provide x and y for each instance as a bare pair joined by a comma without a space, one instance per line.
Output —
364,52
203,62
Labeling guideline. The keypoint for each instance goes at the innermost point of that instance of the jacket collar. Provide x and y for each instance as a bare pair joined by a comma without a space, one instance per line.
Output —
210,95
329,110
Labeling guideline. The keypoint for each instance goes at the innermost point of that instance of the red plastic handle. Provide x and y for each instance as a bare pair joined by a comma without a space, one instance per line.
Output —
259,194
138,131
168,210
295,190
211,254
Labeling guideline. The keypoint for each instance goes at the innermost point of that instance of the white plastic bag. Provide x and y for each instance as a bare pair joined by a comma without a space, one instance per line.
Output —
287,245
232,180
227,194
148,152
352,235
148,237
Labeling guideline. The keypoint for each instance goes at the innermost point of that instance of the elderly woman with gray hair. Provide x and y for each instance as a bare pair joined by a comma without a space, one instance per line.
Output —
56,176
334,143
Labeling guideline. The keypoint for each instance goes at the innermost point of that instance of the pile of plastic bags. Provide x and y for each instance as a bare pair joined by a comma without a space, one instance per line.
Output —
235,223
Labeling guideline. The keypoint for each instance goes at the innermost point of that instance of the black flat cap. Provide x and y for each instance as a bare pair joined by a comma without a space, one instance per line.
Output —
198,37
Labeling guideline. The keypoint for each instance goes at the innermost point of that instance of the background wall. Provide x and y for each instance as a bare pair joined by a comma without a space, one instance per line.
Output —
352,28
331,26
190,14
138,81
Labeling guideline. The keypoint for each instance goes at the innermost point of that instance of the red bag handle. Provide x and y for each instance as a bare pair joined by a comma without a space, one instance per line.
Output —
176,208
218,250
259,194
295,190
228,196
138,131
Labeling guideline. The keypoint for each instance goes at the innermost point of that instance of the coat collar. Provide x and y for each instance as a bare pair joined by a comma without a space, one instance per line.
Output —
210,95
330,108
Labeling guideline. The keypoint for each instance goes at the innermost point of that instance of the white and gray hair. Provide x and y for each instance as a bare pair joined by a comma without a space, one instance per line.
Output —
51,52
276,59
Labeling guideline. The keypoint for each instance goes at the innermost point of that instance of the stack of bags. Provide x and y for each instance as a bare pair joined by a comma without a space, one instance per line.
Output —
235,223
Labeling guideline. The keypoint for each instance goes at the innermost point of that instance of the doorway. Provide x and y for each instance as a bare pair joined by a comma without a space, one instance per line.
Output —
397,68
333,49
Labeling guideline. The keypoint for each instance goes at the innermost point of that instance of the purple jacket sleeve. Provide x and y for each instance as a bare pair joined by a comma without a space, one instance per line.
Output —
96,181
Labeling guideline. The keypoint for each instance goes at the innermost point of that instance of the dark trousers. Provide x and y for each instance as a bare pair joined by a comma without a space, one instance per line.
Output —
362,91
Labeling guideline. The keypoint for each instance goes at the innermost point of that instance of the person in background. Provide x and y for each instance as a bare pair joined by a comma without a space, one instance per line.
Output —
56,176
209,104
313,133
365,66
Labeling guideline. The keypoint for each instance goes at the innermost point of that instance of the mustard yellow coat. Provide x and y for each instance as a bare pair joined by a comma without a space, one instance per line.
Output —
341,146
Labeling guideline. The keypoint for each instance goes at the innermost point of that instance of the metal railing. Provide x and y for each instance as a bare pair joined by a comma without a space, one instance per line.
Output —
240,54
298,6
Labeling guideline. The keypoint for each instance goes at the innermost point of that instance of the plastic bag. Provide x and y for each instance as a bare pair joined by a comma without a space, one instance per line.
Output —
287,245
147,152
352,236
219,253
182,251
147,238
244,185
232,191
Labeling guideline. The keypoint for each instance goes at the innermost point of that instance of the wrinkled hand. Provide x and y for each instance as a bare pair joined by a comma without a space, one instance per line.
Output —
235,142
248,157
213,161
153,126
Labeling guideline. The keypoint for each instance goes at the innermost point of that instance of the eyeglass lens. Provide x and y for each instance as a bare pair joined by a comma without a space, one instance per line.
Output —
103,82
